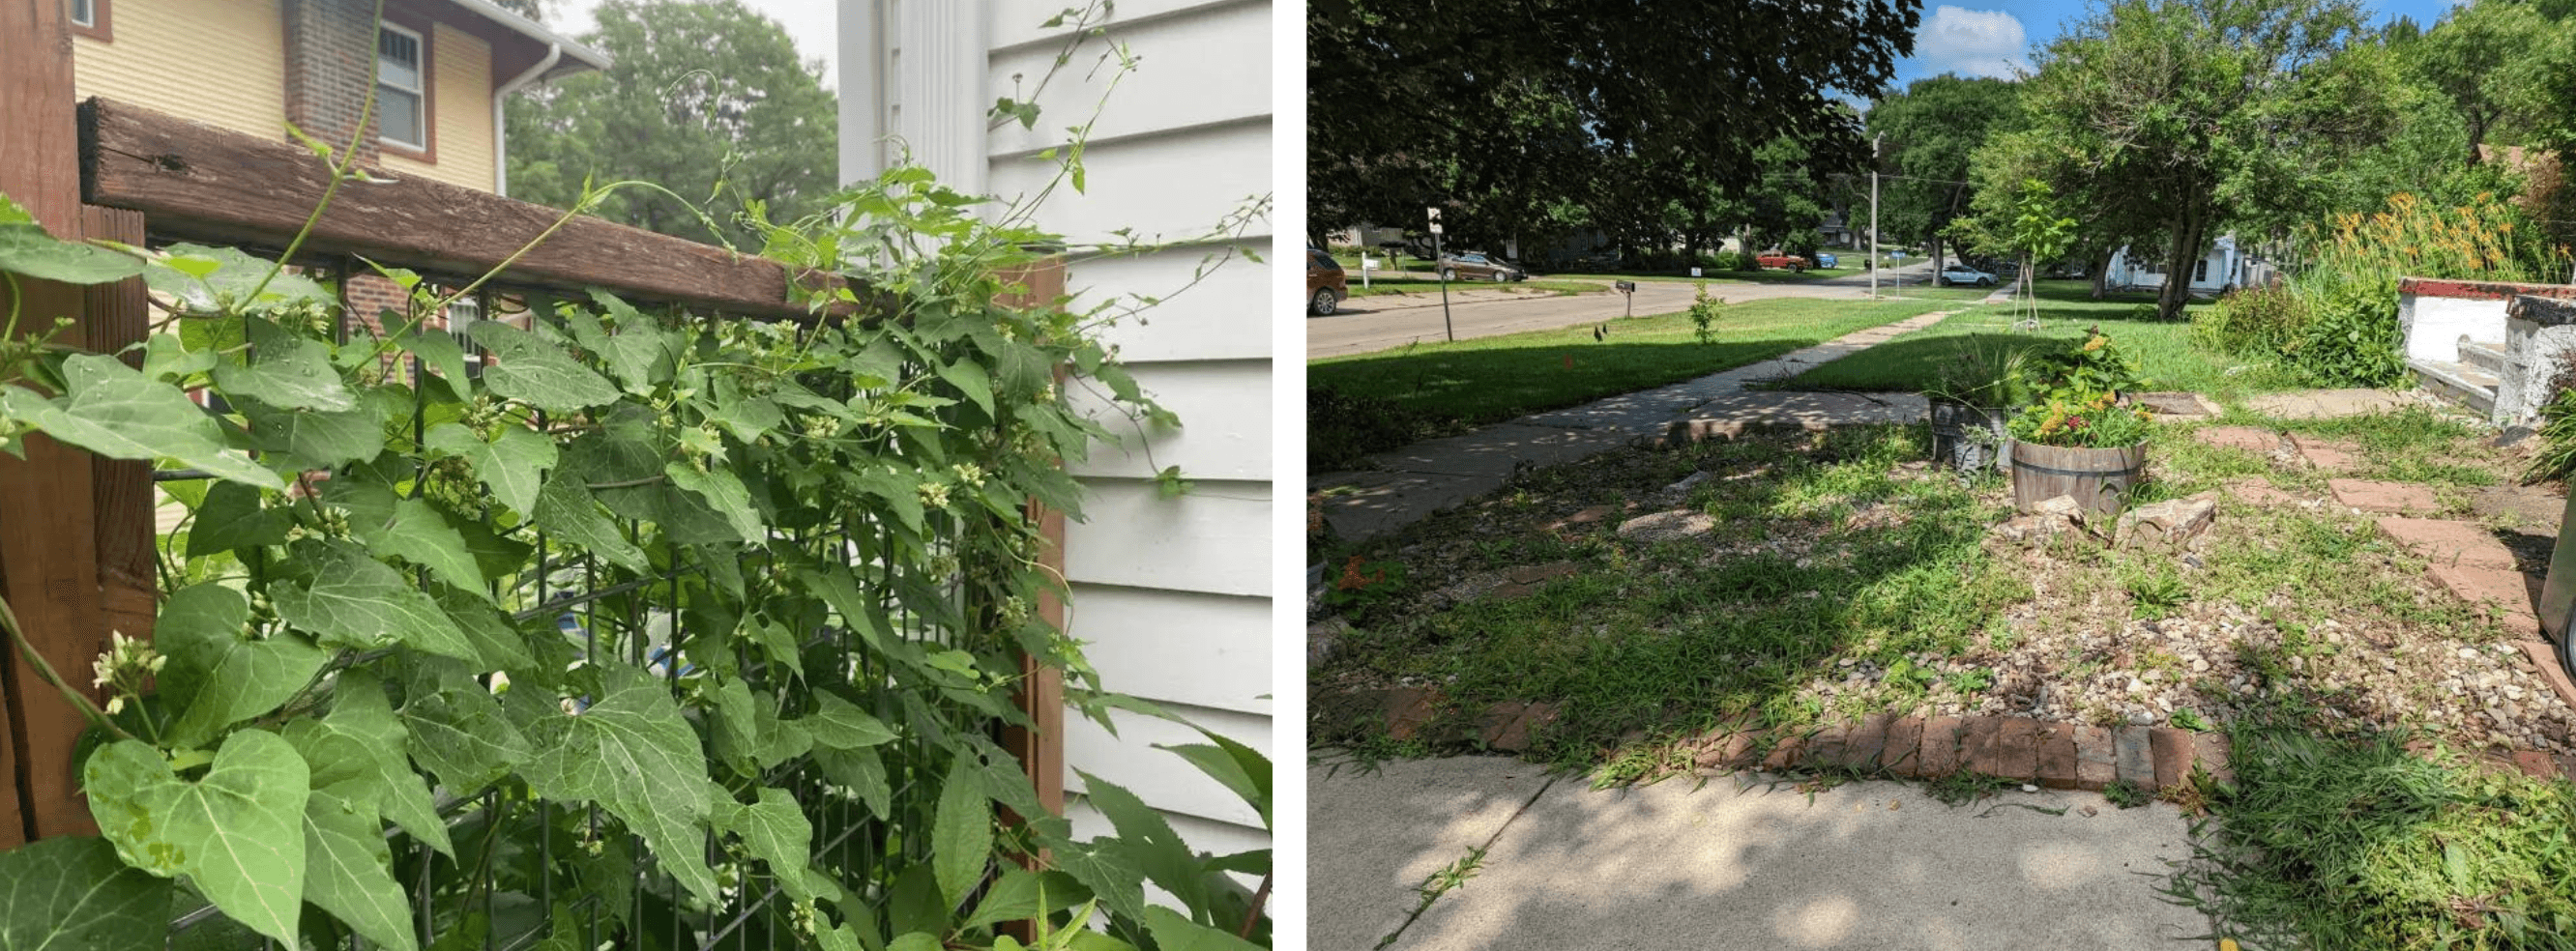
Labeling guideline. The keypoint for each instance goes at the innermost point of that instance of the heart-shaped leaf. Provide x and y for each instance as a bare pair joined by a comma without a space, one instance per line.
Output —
117,412
217,674
512,465
69,893
348,870
538,373
237,833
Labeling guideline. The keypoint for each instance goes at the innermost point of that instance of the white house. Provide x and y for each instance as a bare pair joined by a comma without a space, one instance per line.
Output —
1172,595
2227,265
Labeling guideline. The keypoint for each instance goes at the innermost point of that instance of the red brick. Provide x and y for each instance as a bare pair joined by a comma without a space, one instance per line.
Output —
1729,750
1864,747
2501,594
2171,750
2248,438
1825,747
2057,765
1941,747
1982,749
1903,753
1589,516
2400,498
2567,767
2545,657
1508,726
2017,748
2327,453
2440,542
2097,758
2210,752
2534,764
1408,710
2137,763
1791,752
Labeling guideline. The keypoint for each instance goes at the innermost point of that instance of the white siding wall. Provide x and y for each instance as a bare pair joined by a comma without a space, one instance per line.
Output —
1172,595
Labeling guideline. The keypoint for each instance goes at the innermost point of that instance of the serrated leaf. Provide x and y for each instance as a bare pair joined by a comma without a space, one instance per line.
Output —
1146,838
348,870
538,373
237,833
284,370
69,893
1109,873
115,411
457,730
216,675
1235,766
1016,896
1175,933
841,725
723,492
318,439
863,771
633,754
27,249
961,832
570,514
778,833
513,465
424,535
233,517
358,602
969,378
358,750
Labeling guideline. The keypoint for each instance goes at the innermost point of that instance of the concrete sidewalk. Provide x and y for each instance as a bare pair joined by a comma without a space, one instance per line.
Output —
1873,865
1413,482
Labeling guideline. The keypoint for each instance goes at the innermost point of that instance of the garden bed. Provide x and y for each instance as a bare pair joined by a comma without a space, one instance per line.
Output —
1811,579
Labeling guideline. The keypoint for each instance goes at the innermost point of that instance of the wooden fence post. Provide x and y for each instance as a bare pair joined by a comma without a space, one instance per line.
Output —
1041,695
128,569
48,545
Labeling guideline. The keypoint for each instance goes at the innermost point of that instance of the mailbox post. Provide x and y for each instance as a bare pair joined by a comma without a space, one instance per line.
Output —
1443,273
1629,289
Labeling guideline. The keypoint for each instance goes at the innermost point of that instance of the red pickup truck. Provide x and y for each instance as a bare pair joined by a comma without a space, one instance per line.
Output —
1776,259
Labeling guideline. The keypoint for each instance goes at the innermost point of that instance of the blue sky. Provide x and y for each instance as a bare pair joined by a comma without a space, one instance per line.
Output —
1989,37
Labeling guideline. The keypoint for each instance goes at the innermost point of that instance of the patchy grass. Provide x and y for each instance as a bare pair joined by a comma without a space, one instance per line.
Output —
1379,401
1384,286
2355,842
2164,349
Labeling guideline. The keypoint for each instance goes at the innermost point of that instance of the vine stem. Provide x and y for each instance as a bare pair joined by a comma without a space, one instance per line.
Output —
1253,915
9,618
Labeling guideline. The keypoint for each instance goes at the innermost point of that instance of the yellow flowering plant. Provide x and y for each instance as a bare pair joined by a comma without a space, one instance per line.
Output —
2079,394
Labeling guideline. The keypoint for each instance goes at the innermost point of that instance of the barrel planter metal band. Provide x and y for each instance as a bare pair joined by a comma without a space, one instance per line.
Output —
2098,479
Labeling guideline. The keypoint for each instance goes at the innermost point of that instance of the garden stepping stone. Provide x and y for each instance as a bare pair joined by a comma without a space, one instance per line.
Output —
1528,578
2172,522
2178,406
2545,658
2502,594
2534,510
2258,491
2327,453
2457,544
2398,498
2248,438
1667,526
2329,404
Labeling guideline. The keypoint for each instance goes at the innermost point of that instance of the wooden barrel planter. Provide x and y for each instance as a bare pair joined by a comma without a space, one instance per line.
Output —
1967,438
2098,479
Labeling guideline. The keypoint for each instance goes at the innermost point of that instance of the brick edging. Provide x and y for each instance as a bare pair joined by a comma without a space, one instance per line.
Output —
2020,749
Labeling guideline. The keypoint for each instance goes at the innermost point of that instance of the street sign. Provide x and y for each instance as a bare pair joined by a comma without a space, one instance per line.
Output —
1368,262
1435,229
1435,213
1694,272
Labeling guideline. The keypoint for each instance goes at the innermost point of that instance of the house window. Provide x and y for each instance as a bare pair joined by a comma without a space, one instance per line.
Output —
402,88
89,18
85,13
2200,272
461,317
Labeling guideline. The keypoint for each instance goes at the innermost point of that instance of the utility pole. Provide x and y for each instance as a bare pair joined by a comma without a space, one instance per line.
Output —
1873,214
1441,270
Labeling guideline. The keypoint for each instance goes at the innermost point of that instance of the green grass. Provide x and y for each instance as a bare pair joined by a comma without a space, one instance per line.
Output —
1383,400
2355,842
2164,349
1380,286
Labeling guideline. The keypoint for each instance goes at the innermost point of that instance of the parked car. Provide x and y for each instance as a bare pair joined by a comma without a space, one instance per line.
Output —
1826,260
1475,265
1776,259
1326,285
1956,274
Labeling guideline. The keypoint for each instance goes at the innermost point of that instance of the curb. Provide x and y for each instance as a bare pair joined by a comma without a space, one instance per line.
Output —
2019,749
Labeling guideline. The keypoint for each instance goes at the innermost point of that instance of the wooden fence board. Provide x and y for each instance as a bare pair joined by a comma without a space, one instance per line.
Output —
48,552
203,183
119,315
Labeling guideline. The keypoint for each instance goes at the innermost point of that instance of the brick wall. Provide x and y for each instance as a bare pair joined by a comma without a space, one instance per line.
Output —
330,68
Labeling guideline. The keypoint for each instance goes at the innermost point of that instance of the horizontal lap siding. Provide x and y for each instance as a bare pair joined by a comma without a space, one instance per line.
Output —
1172,595
220,62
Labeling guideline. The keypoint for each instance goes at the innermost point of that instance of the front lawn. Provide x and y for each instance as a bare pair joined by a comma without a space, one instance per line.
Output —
1378,401
1381,286
2164,349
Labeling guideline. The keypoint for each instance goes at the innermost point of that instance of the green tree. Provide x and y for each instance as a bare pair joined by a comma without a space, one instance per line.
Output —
705,99
1413,104
2486,59
2206,115
1933,130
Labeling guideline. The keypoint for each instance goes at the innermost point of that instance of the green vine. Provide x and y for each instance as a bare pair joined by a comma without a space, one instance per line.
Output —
806,582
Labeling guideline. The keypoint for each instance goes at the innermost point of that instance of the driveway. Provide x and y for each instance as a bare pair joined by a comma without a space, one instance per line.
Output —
1367,324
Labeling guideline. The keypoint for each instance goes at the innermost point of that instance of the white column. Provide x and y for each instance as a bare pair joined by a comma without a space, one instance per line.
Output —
913,76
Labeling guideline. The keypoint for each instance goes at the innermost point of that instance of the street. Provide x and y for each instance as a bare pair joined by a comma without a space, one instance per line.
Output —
1367,324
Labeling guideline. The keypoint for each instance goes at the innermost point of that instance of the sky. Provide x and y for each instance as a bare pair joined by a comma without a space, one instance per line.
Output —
1994,37
813,24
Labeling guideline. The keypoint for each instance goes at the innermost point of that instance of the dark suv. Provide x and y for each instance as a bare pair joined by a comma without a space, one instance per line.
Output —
1326,285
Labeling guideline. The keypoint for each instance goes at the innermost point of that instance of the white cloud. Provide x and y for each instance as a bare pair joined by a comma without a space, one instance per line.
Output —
1972,42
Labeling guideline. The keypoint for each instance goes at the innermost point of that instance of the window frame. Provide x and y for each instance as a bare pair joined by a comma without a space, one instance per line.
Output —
425,150
2200,271
101,16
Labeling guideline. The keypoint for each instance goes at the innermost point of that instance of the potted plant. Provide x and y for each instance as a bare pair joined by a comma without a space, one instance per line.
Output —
1971,401
2079,438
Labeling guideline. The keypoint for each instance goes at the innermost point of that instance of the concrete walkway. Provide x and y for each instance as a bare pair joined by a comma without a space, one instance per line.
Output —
1873,865
1413,482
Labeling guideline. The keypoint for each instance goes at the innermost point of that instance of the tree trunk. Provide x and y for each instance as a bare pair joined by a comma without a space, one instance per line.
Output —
2099,266
2179,256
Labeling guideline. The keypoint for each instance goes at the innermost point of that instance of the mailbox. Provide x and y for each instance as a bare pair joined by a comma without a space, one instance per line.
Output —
1625,287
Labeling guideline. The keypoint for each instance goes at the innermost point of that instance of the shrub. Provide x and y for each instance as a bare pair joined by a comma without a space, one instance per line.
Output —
2351,337
2258,321
1342,429
2342,330
1704,311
